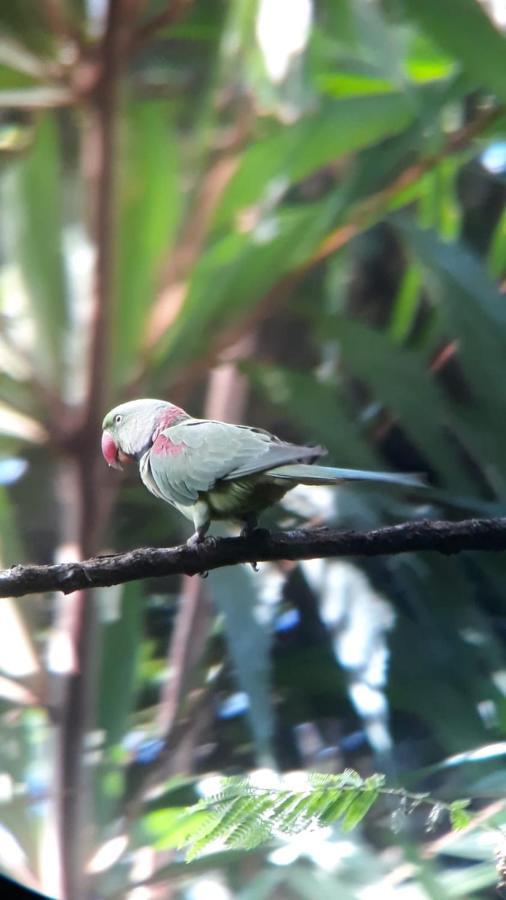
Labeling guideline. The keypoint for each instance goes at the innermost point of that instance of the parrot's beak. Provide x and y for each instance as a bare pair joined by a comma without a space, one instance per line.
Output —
110,451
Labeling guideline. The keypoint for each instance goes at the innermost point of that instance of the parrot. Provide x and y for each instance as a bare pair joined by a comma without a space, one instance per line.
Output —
212,470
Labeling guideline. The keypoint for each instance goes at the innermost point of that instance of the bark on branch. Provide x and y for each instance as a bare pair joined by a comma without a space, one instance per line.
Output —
261,546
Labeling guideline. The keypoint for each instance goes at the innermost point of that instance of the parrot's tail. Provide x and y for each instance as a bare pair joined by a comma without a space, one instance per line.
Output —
303,474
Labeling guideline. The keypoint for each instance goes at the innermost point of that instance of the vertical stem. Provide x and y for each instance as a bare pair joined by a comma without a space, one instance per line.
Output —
73,634
103,134
103,122
187,645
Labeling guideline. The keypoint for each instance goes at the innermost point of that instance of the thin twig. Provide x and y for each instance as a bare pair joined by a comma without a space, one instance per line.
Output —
187,644
164,19
176,278
261,546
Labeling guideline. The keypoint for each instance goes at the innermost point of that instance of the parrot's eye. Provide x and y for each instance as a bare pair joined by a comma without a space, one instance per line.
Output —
118,419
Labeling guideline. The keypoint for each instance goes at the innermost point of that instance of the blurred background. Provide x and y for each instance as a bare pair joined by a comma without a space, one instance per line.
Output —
288,213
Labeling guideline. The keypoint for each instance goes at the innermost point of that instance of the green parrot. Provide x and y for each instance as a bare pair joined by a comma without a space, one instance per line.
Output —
212,470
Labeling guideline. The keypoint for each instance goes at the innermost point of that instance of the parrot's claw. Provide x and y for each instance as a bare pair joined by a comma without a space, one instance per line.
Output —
250,525
251,529
254,530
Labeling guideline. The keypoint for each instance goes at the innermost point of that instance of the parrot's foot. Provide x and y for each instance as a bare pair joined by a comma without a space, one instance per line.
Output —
199,538
251,528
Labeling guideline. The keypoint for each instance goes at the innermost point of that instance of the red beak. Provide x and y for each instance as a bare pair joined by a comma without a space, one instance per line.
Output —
110,451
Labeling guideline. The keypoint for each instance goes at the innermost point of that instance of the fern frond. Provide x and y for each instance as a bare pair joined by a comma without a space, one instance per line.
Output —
243,814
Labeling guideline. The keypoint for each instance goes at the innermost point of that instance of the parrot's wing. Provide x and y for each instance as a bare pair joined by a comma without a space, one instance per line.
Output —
191,457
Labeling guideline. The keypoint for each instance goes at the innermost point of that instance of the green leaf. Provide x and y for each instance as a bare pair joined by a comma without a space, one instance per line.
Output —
440,594
238,824
235,594
175,826
472,309
459,814
463,29
317,408
438,207
234,274
121,632
24,21
377,166
35,233
497,251
470,881
406,304
17,394
381,42
296,151
395,376
150,205
11,546
293,812
352,84
425,62
360,807
344,801
10,78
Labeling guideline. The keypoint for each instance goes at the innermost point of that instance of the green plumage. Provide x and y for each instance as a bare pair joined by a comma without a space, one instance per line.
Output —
245,497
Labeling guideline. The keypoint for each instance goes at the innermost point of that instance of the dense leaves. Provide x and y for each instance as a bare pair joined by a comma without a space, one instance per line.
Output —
318,204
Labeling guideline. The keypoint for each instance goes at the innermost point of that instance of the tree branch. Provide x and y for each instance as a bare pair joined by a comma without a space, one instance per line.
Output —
261,546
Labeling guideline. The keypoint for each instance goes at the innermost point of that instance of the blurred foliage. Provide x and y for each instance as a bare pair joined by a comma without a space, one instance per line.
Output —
307,197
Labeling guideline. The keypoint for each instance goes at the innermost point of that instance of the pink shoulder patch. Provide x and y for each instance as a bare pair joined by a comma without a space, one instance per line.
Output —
170,416
163,446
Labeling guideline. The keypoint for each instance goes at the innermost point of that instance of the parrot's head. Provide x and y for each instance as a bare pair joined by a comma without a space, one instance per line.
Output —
129,430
